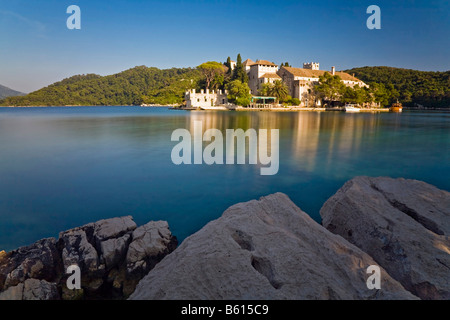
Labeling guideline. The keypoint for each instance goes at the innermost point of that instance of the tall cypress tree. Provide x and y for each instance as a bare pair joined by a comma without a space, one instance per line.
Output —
228,64
239,72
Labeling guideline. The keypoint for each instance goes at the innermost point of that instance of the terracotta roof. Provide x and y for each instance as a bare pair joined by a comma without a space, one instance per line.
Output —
308,73
265,62
346,76
271,76
248,62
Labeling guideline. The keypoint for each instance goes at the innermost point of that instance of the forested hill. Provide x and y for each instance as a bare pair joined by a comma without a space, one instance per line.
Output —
427,88
155,86
131,87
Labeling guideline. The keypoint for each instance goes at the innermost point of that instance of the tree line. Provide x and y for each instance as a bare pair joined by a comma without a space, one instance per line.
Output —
131,87
154,86
411,87
331,89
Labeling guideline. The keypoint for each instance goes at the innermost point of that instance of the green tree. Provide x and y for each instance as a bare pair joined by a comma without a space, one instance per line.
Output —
277,89
406,96
210,69
265,89
379,93
393,93
228,65
239,71
295,102
330,87
239,93
218,81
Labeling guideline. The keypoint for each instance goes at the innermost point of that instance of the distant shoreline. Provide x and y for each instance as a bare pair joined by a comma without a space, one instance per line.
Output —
289,109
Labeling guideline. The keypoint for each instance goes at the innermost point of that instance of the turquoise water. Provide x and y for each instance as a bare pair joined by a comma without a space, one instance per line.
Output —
64,167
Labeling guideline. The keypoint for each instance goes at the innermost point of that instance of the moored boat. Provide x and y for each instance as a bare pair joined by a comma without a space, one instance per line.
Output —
352,108
223,108
396,107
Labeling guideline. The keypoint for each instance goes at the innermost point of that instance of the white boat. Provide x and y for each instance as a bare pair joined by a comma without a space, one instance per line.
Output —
352,108
214,108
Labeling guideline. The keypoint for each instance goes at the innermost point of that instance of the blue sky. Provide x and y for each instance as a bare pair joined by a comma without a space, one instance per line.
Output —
37,49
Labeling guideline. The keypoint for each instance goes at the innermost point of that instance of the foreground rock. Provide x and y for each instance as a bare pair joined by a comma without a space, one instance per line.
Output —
104,251
31,289
266,249
403,224
40,260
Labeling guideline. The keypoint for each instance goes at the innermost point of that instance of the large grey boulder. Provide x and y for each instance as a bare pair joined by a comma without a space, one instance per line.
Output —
114,250
113,228
96,248
266,249
79,249
403,224
93,245
150,244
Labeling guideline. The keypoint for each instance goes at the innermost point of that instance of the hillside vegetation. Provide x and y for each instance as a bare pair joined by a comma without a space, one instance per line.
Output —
131,87
427,88
155,86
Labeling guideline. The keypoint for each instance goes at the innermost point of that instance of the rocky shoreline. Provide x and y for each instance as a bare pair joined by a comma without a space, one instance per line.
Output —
262,249
113,255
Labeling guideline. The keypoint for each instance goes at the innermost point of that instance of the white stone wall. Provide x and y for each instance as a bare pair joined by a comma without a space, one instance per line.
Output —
205,98
350,83
253,77
309,79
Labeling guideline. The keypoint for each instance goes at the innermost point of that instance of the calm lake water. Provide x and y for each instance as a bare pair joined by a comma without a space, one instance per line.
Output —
64,167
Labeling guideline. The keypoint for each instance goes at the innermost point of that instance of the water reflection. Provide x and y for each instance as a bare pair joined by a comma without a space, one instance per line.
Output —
308,138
